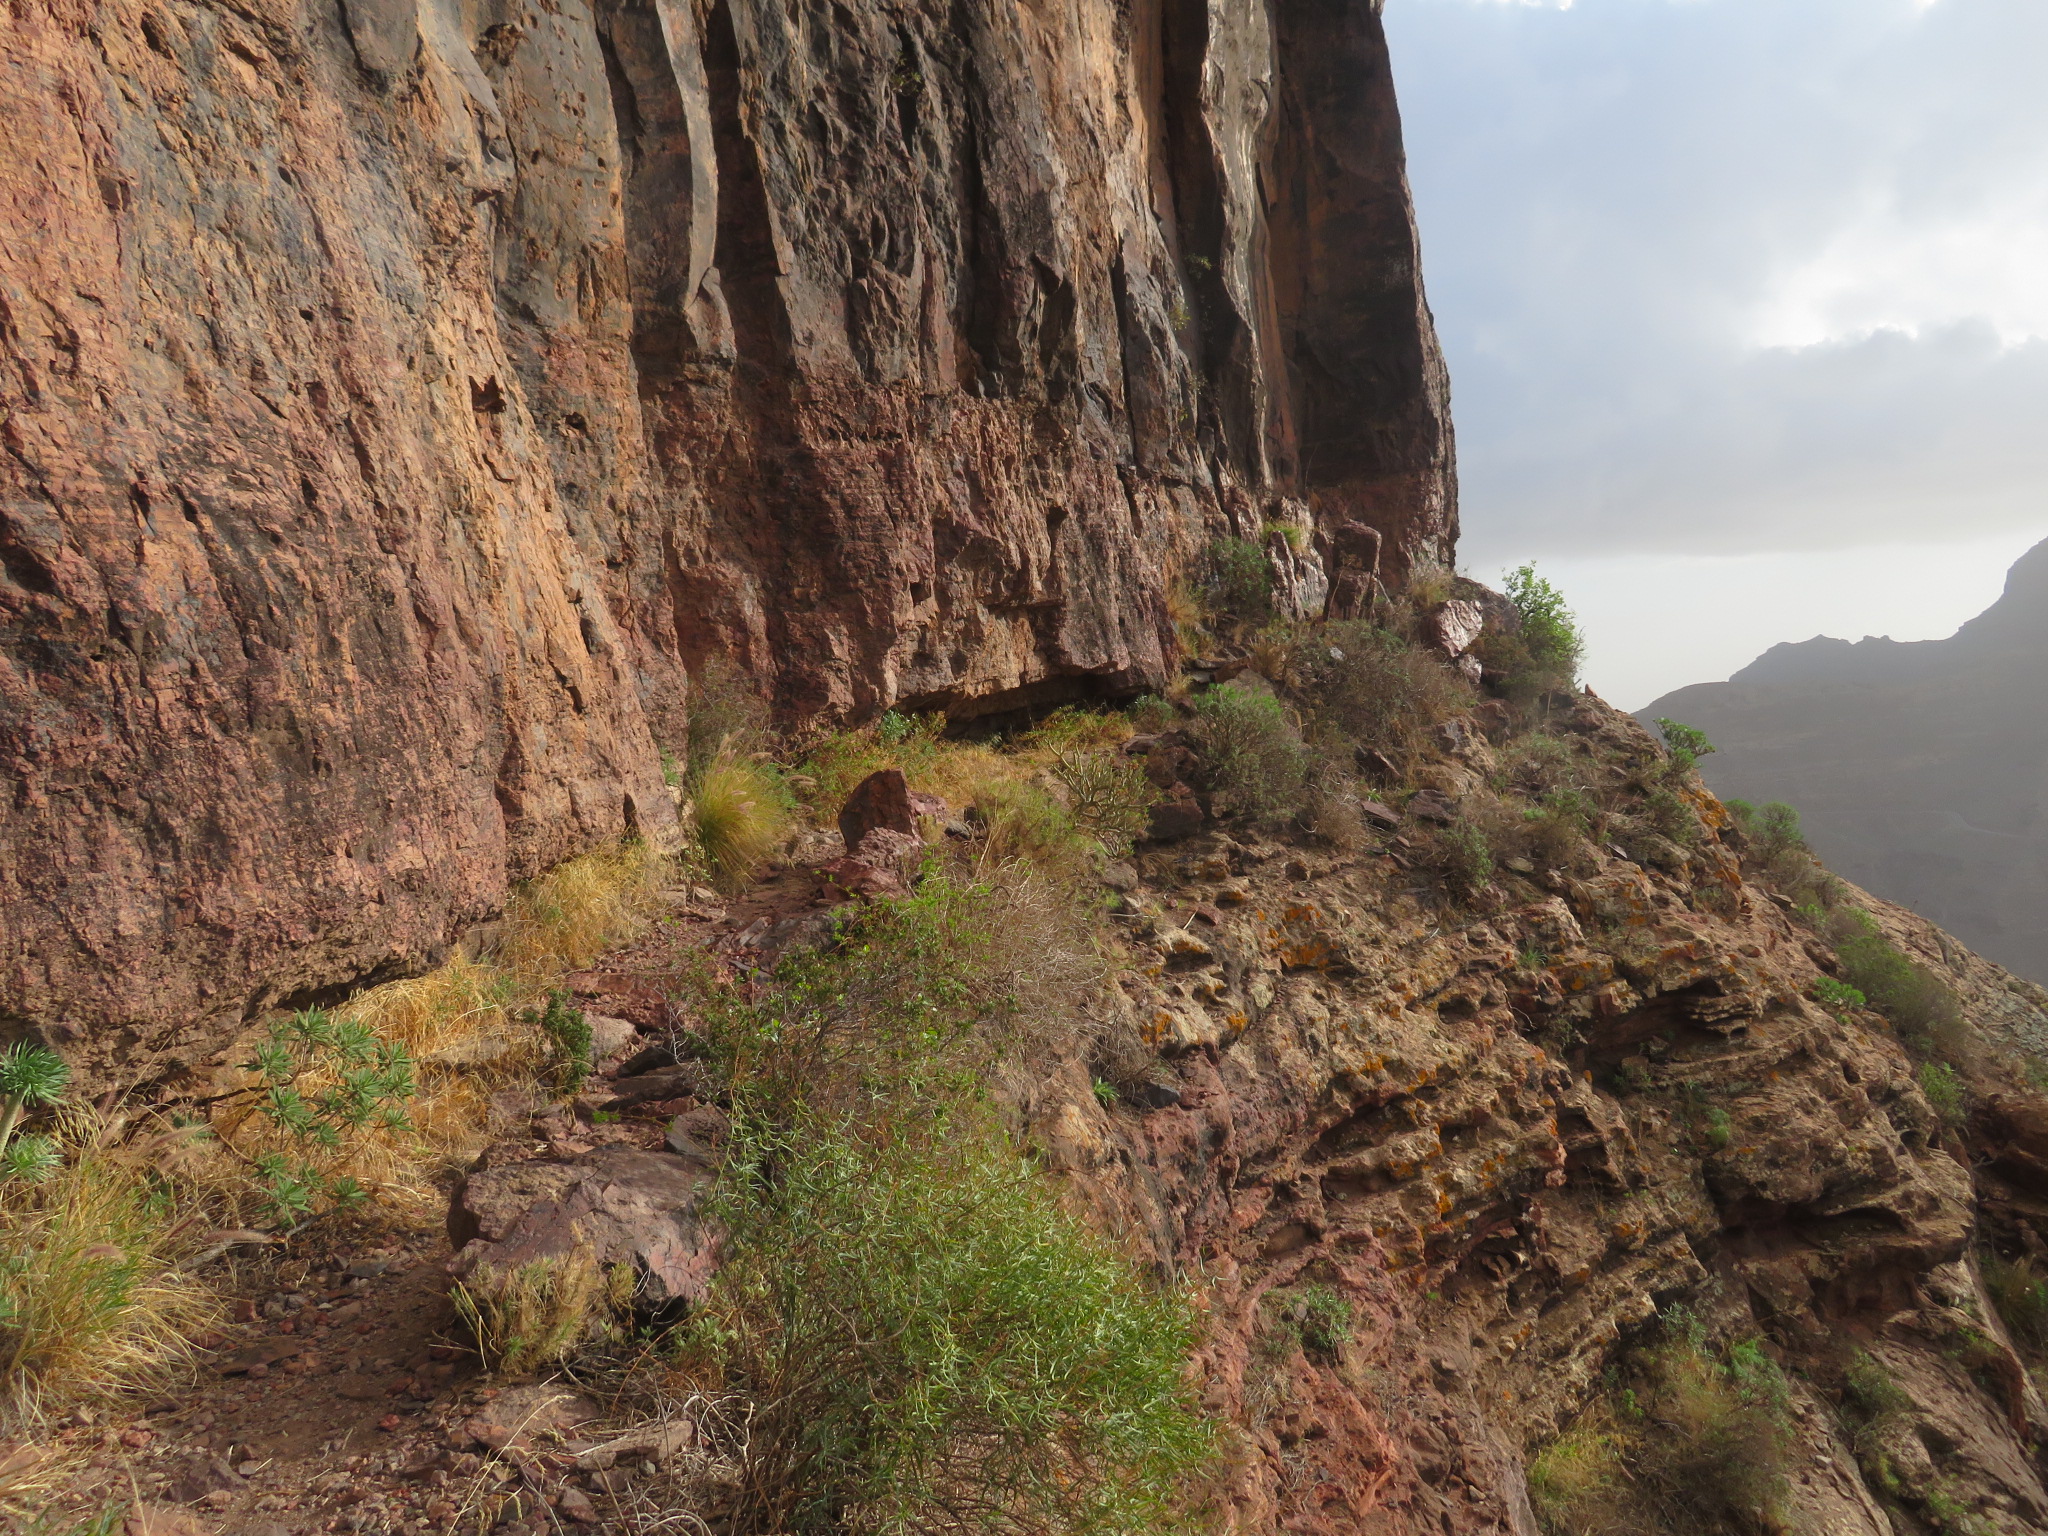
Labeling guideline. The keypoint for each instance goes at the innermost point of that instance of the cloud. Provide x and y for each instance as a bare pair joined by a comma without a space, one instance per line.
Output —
1735,275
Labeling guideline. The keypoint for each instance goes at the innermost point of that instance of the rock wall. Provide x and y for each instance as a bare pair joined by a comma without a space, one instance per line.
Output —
402,397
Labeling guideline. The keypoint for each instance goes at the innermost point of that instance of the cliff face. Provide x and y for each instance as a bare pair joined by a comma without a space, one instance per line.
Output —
1920,768
402,398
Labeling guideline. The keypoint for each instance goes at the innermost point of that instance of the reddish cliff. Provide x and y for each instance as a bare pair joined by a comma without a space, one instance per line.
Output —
401,398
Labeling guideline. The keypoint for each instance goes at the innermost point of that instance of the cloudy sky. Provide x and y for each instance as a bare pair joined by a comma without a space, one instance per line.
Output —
1746,304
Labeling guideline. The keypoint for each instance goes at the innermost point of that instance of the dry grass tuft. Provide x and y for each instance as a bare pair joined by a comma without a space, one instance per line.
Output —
468,1028
92,1300
536,1314
569,916
742,818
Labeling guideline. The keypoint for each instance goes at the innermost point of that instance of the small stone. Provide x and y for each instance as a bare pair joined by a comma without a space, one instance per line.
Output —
575,1503
389,1422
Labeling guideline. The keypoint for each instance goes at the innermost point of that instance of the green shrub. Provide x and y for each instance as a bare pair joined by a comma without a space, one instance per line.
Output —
931,1344
1837,996
1918,1003
927,1340
1944,1090
1542,655
1108,796
1720,1129
1687,744
1252,758
1239,587
1462,858
1871,1388
1689,1441
2021,1297
1363,688
569,1042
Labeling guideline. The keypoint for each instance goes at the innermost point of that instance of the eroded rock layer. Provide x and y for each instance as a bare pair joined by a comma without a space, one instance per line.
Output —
402,397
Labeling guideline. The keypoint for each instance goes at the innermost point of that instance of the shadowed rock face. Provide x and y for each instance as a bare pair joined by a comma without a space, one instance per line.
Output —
1920,768
400,399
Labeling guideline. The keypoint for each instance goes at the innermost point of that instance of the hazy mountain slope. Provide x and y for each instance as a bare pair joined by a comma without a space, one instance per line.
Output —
1921,769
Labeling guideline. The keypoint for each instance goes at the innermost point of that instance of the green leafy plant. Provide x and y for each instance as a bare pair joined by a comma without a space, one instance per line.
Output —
364,1081
1542,653
1687,744
1945,1093
569,1040
1105,1092
1837,996
31,1077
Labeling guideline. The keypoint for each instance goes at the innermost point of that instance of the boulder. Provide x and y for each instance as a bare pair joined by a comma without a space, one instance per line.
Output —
625,1205
1428,805
1178,815
1456,625
881,800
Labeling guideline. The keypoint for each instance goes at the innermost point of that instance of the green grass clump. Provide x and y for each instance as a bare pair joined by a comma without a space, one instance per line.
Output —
93,1299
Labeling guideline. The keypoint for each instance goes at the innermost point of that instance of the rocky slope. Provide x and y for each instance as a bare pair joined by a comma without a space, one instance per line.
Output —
1510,1133
1921,768
401,399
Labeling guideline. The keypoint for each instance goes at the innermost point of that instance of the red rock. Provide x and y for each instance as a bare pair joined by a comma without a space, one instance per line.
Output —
393,558
628,1205
881,800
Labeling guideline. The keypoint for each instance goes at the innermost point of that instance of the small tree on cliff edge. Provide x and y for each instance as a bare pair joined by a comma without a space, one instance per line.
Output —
1543,653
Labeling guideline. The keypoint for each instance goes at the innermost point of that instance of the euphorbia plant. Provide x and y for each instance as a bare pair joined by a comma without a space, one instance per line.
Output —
30,1078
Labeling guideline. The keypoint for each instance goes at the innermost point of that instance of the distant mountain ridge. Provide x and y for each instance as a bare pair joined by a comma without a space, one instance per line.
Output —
1920,767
